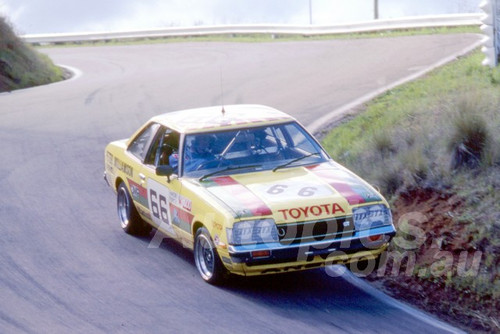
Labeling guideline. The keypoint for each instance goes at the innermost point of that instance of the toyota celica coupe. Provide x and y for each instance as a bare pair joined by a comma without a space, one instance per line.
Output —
248,189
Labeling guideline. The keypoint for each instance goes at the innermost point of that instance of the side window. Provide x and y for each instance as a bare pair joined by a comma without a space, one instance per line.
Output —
154,148
140,145
164,149
299,140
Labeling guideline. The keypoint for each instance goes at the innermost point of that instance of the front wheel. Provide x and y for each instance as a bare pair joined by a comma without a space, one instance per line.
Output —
207,259
130,220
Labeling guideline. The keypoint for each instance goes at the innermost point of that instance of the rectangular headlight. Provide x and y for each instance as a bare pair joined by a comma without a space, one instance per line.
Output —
253,232
371,216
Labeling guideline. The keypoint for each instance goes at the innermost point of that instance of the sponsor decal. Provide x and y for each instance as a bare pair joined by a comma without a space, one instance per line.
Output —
371,216
180,201
311,211
181,218
232,118
185,203
109,162
139,193
122,166
353,190
237,196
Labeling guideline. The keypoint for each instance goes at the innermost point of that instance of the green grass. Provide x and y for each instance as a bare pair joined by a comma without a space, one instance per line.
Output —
410,130
21,65
26,68
404,141
402,106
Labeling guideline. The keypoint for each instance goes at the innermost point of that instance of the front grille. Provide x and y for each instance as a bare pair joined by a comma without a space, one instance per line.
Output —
315,231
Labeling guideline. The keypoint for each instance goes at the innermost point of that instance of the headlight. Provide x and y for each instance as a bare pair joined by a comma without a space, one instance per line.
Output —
253,232
367,217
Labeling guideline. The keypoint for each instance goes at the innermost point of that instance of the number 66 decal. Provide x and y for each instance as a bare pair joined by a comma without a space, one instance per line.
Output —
159,205
281,188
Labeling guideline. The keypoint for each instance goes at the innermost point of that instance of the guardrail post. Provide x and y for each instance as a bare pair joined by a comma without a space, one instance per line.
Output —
490,27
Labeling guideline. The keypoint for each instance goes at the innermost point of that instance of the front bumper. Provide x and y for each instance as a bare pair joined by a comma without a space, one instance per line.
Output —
311,254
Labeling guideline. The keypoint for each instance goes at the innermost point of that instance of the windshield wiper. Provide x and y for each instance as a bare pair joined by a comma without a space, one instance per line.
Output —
227,169
295,160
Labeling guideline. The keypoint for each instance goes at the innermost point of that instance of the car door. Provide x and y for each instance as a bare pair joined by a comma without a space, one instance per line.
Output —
163,193
137,151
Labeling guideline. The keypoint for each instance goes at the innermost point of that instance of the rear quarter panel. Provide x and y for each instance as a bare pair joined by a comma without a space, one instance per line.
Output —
117,164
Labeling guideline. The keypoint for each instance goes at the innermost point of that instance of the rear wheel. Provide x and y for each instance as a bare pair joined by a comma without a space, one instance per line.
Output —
130,220
207,259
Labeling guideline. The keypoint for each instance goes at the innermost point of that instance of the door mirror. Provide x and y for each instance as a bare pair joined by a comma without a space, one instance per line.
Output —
165,170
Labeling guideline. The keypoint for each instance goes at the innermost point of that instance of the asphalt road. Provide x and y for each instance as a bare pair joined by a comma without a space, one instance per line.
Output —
65,264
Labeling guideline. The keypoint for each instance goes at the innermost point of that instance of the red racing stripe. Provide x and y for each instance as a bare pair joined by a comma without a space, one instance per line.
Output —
248,199
341,182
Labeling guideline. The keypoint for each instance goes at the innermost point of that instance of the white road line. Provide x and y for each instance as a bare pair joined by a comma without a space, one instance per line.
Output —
341,271
76,73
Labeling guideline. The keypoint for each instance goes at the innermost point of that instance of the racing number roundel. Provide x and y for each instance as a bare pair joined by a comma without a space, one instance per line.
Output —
159,205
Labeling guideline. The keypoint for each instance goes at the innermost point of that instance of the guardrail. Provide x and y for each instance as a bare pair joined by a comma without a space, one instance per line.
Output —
309,30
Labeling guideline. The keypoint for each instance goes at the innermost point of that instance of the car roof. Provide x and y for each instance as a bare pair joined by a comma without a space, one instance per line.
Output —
221,118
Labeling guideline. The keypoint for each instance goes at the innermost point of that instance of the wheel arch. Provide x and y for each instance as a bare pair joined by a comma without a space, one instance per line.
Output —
118,181
196,226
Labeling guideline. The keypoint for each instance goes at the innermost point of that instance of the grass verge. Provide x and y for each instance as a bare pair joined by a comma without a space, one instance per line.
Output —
432,146
21,65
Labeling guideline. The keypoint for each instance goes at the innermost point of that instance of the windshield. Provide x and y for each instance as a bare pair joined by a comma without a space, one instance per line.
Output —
243,150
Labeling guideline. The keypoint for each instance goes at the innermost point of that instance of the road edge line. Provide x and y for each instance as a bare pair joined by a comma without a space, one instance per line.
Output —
75,74
349,277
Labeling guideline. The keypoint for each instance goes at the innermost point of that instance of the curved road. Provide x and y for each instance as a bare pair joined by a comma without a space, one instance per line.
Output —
66,266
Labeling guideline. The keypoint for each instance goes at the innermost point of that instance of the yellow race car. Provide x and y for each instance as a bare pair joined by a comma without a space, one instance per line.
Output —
248,189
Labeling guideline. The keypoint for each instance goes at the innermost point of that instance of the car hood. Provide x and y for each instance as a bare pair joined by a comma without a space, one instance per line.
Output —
293,194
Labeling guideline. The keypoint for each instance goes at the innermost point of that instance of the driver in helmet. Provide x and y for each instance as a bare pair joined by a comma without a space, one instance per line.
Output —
199,152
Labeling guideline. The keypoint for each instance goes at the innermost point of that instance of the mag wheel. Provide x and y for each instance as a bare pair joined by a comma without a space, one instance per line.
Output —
130,220
206,258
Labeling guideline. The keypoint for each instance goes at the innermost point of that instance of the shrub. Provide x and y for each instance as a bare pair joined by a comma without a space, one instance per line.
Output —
389,178
416,164
470,135
382,143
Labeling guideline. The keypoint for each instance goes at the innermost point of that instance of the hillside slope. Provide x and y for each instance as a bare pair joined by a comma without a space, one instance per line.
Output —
20,65
433,147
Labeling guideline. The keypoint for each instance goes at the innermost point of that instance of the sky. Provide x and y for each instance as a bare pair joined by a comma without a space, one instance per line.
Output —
70,16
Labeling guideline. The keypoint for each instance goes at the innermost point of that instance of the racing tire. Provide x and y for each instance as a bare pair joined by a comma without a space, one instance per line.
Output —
130,220
207,259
